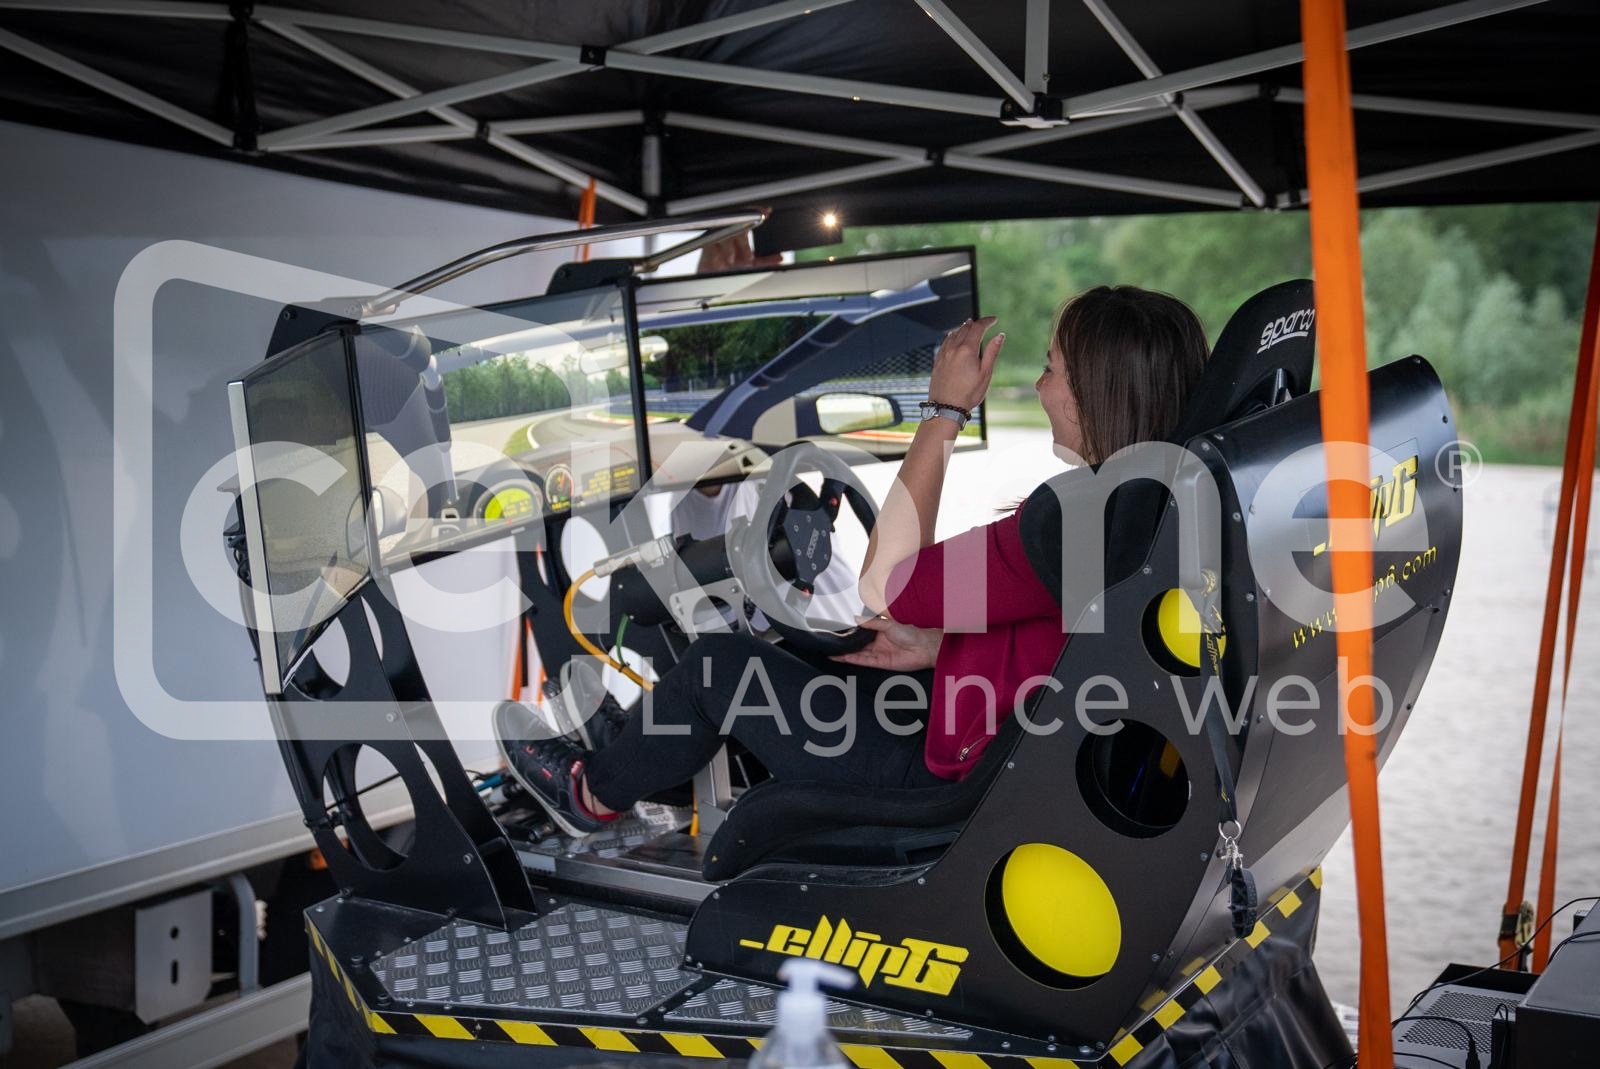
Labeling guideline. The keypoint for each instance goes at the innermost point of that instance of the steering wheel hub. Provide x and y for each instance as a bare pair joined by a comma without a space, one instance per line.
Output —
795,524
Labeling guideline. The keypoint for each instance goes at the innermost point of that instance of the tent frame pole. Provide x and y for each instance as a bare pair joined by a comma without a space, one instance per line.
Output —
682,120
521,46
1154,97
811,84
801,183
117,88
1443,109
1288,55
1477,161
897,159
493,134
981,54
1195,125
415,102
568,59
412,135
160,9
1071,176
634,56
1199,100
1036,47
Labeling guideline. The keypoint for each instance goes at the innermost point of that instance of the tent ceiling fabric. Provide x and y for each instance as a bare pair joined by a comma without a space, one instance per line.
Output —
927,164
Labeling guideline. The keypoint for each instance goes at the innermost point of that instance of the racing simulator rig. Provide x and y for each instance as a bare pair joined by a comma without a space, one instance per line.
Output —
1083,897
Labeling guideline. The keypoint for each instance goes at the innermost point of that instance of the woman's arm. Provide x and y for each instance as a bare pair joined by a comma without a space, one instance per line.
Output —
961,373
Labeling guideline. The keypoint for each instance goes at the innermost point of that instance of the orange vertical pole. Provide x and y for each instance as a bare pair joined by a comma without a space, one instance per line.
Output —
586,205
1336,262
1580,476
1583,389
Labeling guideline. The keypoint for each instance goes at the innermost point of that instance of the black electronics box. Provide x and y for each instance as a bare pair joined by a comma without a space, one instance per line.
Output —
1558,1024
1471,1000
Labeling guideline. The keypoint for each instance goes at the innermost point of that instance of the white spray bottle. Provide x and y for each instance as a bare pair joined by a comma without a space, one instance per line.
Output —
802,1040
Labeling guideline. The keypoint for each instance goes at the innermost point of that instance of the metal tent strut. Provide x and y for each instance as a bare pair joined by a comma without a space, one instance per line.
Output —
713,227
1155,96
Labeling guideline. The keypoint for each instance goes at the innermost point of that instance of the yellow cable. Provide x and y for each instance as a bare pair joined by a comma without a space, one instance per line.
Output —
583,639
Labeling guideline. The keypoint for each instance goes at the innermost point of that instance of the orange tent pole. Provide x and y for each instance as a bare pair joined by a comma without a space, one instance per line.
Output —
1336,262
586,204
1586,391
1583,390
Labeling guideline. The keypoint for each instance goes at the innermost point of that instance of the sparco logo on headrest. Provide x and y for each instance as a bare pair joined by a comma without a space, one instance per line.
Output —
1293,325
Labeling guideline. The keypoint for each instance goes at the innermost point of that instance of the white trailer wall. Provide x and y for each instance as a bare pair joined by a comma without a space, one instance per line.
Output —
84,784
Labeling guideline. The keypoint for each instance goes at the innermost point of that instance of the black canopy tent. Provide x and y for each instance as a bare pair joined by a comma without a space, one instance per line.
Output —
885,111
1038,109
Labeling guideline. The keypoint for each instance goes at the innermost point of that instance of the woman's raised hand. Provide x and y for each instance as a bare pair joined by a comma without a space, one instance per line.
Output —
964,365
896,647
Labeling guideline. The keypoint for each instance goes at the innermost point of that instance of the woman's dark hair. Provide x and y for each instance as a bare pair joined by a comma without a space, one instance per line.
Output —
1132,356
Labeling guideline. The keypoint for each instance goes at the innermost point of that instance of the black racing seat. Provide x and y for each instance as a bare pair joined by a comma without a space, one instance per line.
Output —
1263,357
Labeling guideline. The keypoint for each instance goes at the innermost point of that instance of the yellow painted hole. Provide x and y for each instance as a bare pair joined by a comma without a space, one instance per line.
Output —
1178,623
1060,911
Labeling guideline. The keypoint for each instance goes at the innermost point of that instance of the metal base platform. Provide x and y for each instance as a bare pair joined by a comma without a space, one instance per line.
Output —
596,977
646,853
603,962
584,977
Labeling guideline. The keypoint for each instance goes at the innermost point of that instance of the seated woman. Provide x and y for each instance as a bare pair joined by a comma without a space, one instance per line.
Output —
1121,363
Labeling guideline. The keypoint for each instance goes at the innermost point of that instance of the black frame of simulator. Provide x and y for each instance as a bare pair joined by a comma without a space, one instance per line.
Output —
663,935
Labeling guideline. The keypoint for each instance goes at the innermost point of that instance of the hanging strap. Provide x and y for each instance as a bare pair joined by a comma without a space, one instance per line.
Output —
1589,352
1242,898
1580,427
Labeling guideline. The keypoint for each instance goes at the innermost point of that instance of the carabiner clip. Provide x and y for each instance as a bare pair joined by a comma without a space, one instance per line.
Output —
1230,830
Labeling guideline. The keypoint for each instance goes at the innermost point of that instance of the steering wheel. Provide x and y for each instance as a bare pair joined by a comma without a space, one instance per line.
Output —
782,549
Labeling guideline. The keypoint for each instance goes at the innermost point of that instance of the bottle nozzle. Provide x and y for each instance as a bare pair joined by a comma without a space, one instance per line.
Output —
802,1005
808,975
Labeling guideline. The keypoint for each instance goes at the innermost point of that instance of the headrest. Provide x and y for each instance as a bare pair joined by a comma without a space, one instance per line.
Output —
1266,348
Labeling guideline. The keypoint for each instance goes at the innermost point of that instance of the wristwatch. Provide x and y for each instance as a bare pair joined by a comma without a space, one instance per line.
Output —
934,409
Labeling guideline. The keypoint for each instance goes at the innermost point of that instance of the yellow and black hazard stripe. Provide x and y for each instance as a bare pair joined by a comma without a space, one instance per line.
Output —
696,1044
1200,981
1169,1010
647,1041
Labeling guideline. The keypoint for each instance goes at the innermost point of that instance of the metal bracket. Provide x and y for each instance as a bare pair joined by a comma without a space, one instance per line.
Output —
684,605
1048,111
580,275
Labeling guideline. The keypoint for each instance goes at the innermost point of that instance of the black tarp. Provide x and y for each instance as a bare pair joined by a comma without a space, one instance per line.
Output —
1535,57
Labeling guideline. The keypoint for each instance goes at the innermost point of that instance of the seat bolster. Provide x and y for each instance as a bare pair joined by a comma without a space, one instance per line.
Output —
775,815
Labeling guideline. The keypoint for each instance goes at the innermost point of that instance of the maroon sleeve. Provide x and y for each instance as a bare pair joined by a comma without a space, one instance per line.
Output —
970,582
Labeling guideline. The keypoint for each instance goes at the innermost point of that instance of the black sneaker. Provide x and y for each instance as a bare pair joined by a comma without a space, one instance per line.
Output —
585,691
550,770
607,723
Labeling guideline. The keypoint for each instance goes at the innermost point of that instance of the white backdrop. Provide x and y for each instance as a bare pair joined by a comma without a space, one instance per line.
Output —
82,780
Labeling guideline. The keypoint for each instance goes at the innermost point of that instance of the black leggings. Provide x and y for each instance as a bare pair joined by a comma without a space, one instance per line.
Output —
842,731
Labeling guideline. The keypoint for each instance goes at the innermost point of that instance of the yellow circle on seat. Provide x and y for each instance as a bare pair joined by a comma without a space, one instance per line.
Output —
1179,624
1060,910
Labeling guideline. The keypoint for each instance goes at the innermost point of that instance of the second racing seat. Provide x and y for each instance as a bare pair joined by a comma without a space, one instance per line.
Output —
1263,357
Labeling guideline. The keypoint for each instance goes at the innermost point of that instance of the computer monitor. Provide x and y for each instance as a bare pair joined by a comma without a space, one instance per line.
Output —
378,445
301,495
831,352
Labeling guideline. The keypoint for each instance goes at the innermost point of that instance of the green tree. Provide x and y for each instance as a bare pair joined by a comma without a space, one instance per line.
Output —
1490,295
